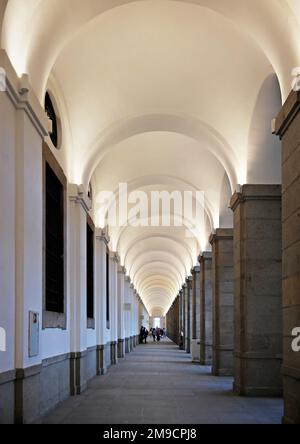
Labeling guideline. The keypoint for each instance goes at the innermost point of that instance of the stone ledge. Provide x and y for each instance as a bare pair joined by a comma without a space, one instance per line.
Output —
256,193
287,114
55,360
7,377
78,355
29,372
258,356
221,234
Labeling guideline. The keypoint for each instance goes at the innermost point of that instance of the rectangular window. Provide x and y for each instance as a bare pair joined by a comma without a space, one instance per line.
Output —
54,242
90,271
107,290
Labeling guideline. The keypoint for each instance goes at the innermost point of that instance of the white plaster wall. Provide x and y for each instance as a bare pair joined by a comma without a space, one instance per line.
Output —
7,230
55,342
29,236
100,291
91,338
78,308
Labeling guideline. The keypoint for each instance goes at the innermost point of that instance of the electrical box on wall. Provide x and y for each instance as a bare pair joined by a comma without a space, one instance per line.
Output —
34,334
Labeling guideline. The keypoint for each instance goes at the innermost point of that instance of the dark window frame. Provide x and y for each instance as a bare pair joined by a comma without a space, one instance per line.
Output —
90,273
54,319
107,288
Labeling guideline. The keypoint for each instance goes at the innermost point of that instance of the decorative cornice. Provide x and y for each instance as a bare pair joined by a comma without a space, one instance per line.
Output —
114,257
78,196
102,235
221,234
287,114
255,193
205,256
22,96
122,270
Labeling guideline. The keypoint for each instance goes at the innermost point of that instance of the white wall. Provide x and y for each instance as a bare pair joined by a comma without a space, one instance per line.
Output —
7,230
29,234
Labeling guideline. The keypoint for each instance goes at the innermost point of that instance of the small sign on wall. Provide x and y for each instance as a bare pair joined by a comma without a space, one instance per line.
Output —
34,334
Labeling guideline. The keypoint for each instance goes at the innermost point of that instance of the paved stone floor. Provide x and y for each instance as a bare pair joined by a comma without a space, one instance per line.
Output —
158,384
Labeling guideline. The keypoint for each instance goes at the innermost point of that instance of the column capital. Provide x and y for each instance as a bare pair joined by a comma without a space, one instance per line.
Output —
102,235
221,234
114,257
78,196
195,270
288,113
21,94
122,270
255,192
127,279
205,256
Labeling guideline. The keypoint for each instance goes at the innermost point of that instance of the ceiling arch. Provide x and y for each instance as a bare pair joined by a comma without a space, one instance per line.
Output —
179,108
69,17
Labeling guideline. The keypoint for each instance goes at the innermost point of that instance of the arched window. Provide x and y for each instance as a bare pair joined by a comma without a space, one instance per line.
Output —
49,108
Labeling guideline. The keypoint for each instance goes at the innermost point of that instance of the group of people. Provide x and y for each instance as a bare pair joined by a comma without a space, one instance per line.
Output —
156,333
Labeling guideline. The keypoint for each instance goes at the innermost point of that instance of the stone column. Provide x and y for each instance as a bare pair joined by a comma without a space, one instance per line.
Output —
185,317
114,262
103,348
258,305
127,309
79,207
196,315
222,278
121,312
181,320
288,129
206,298
188,292
131,295
172,321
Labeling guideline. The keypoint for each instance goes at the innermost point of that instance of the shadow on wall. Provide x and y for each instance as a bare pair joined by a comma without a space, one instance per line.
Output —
264,150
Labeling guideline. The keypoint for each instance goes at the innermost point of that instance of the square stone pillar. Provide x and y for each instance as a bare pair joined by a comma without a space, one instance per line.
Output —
206,298
288,129
102,332
121,312
127,308
222,279
258,306
113,276
184,315
79,207
181,320
186,318
189,302
195,328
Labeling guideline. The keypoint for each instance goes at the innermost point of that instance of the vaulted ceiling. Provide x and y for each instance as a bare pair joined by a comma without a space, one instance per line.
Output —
161,95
